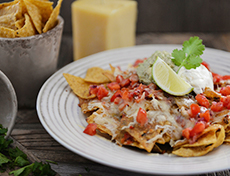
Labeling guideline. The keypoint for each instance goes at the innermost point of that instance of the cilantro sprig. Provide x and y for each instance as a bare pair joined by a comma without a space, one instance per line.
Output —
14,157
189,56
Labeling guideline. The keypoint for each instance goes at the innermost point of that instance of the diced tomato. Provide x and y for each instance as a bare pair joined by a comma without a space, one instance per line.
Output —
138,61
202,100
119,78
142,117
115,95
118,100
90,129
198,128
134,78
102,92
93,89
113,86
225,90
216,78
205,115
206,65
226,101
186,132
125,82
226,77
139,90
194,109
125,95
217,107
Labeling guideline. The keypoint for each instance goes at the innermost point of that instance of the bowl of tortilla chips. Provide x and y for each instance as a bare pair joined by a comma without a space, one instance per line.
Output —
30,38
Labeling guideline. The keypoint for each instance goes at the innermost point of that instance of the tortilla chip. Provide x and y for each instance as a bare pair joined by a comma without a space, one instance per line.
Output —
79,86
7,32
112,68
138,133
211,138
227,138
9,7
8,21
211,94
109,75
28,29
95,75
52,21
103,121
45,7
21,10
20,23
83,103
35,14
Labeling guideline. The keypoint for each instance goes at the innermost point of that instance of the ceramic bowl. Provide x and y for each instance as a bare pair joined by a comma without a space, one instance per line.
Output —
8,103
29,61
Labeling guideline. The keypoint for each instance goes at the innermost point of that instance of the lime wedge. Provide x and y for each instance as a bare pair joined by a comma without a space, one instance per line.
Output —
168,80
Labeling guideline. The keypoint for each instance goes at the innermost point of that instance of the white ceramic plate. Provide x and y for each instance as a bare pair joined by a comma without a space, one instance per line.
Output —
60,115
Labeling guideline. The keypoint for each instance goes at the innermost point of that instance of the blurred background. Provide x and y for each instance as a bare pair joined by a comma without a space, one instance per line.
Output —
173,16
157,18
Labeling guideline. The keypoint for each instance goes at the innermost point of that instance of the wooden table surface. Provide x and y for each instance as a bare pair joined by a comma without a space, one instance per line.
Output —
30,136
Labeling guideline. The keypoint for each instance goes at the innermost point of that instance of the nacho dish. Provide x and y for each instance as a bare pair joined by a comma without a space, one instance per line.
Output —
133,110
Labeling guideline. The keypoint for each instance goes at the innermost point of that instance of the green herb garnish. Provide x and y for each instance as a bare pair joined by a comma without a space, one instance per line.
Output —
189,56
14,157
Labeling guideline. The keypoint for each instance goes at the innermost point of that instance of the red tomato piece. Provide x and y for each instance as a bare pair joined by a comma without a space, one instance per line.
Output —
226,77
118,100
142,117
205,115
216,78
226,101
134,78
194,110
90,129
137,62
125,82
139,90
186,132
113,86
93,89
217,107
206,65
102,92
115,95
197,129
225,90
119,78
125,95
202,100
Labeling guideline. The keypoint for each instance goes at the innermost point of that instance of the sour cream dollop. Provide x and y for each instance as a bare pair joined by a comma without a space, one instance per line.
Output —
198,78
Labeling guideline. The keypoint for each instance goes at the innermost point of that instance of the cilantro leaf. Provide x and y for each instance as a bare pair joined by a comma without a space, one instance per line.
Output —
10,157
179,56
37,168
24,171
3,159
189,56
20,161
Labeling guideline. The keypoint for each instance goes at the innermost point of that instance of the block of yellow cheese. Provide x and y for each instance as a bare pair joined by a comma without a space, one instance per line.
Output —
100,25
